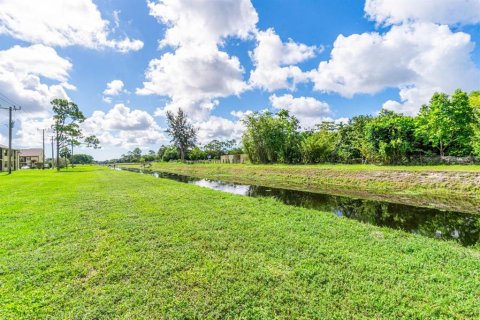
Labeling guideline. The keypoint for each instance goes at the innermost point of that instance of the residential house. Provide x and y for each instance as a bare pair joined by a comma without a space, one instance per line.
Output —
31,157
4,158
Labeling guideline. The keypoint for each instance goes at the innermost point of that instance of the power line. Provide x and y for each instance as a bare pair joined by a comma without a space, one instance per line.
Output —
12,103
7,99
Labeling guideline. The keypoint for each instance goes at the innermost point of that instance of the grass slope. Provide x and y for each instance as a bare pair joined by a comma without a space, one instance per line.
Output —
444,187
95,243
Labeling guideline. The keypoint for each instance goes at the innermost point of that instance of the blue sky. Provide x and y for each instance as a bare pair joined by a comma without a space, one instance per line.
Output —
217,59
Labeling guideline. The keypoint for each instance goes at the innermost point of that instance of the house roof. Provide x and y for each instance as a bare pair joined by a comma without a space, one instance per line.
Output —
33,152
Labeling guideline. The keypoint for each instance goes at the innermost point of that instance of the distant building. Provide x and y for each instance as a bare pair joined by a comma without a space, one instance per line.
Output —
234,158
4,158
31,157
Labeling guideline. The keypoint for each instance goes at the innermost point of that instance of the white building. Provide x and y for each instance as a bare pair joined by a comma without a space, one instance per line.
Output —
31,157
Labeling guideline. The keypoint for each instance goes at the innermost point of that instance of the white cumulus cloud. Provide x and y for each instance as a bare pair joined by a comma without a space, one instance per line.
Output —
60,23
197,72
202,22
23,71
417,58
308,110
114,87
193,79
123,127
437,11
275,62
219,128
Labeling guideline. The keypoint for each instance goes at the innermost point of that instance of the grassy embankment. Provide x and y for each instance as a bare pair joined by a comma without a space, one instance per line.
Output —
443,187
94,243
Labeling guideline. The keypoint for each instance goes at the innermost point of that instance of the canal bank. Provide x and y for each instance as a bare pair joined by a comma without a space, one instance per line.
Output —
450,188
460,227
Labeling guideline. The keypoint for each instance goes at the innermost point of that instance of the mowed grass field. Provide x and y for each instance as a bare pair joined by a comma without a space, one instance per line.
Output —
94,243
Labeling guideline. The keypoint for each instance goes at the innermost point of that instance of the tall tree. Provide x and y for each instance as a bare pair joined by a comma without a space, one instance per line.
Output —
184,135
65,153
474,100
446,123
319,146
67,117
270,138
391,137
137,154
72,141
92,142
352,143
161,152
217,148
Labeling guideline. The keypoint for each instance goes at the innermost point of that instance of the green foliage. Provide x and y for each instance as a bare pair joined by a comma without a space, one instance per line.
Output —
196,154
183,134
170,153
474,100
352,143
446,123
319,146
137,153
65,152
390,137
161,152
148,158
132,156
66,119
216,148
270,138
92,142
82,159
446,126
235,150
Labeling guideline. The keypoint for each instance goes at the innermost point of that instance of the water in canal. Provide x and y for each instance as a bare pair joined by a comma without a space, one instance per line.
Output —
461,227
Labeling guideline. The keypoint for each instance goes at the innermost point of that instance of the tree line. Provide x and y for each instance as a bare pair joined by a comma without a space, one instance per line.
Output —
446,126
210,151
183,138
449,125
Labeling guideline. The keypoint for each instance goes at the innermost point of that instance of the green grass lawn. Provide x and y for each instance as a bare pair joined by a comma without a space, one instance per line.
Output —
94,243
454,188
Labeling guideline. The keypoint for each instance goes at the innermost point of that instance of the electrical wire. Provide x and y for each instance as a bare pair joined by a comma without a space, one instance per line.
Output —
7,99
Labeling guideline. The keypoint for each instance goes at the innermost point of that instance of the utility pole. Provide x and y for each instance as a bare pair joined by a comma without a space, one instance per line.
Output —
53,165
10,126
43,149
58,150
43,146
